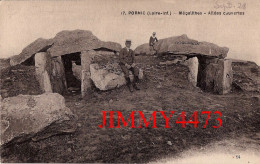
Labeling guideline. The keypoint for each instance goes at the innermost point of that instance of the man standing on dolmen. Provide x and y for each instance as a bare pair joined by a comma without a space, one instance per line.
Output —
152,42
127,63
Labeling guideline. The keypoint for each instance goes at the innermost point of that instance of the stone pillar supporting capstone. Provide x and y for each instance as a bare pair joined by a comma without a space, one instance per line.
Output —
43,68
58,78
86,59
224,77
219,76
193,65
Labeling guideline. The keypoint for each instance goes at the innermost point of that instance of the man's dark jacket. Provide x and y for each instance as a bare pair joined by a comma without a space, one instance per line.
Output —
126,56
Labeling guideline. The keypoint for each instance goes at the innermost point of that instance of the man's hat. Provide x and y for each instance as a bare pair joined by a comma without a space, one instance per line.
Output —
128,41
154,32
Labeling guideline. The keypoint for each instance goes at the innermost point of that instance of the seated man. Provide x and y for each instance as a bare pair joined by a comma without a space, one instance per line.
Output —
127,63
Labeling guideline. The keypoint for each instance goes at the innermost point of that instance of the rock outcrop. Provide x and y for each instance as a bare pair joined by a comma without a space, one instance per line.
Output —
35,117
184,46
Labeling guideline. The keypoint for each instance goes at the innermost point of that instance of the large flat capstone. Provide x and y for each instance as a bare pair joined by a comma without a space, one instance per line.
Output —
184,46
39,45
67,42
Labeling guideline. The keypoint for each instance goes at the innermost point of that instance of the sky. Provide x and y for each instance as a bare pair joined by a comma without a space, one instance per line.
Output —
22,22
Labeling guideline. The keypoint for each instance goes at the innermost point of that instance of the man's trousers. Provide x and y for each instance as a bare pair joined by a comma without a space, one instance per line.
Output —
134,70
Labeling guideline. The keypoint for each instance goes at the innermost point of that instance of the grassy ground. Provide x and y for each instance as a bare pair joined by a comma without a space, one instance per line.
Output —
164,88
17,80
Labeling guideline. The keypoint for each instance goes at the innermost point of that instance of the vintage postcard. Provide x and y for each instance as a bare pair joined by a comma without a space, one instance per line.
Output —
130,81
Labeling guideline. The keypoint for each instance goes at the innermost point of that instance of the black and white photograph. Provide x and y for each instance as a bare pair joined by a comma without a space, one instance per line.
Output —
130,81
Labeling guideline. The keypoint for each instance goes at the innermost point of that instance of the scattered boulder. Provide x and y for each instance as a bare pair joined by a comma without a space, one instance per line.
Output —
101,68
109,76
105,79
35,117
184,46
39,45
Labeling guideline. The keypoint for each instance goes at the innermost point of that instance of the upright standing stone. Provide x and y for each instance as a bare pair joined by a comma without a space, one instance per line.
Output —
209,77
224,77
86,59
43,68
206,73
58,78
193,65
219,76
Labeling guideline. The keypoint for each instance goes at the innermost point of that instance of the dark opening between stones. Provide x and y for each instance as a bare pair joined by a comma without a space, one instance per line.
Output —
30,61
201,73
73,82
104,49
